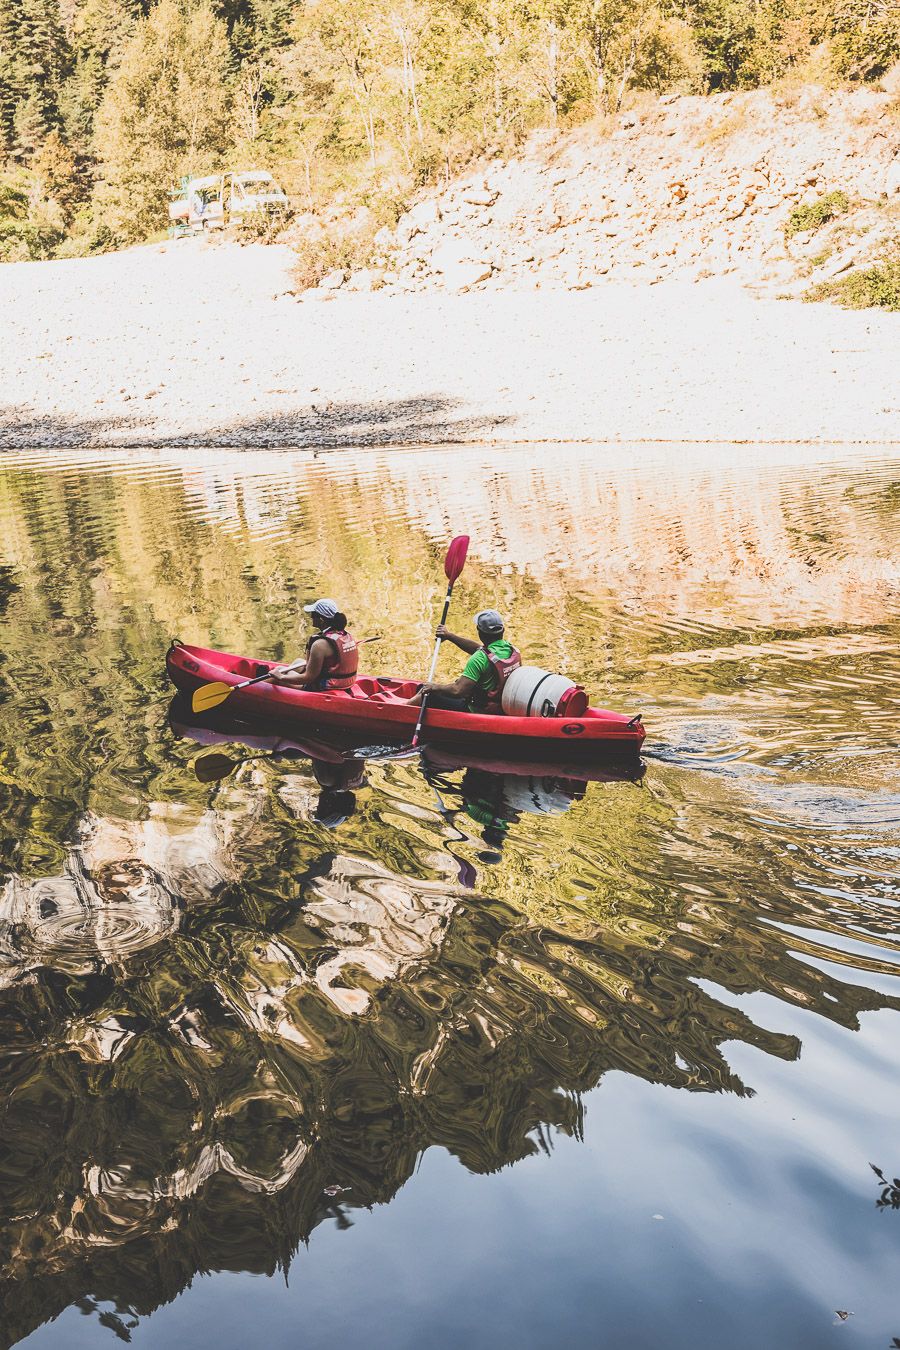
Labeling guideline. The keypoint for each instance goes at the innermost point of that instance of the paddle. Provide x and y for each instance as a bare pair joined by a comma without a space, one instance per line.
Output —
213,768
210,696
454,563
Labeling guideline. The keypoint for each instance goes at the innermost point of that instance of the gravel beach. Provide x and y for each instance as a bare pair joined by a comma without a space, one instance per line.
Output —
190,343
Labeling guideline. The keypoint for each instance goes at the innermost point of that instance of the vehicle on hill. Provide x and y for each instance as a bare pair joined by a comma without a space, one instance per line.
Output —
217,200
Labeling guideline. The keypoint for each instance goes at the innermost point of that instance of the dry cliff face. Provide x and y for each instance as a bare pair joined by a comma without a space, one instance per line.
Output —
682,188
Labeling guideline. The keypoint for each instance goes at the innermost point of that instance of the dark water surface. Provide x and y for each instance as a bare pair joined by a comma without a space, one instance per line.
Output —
436,1057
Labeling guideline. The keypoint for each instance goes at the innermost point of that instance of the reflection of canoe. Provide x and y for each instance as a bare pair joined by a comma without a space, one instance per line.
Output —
373,709
627,770
221,727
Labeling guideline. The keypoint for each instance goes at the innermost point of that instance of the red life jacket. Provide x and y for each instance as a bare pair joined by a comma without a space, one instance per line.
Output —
503,668
342,661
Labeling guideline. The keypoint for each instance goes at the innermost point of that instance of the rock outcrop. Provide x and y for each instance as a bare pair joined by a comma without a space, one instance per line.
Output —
682,187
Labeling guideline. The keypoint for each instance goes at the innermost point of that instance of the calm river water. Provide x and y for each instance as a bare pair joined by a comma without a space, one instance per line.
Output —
432,1056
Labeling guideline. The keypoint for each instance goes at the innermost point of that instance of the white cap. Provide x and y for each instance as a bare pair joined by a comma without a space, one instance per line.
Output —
323,609
489,621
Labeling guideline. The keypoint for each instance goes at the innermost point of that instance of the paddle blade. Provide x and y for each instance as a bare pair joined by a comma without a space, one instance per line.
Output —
213,768
209,696
455,560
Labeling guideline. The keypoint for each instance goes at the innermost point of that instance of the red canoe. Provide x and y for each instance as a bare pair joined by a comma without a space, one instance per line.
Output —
372,710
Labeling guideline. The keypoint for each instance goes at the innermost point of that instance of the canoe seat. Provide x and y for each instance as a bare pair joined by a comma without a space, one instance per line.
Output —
365,687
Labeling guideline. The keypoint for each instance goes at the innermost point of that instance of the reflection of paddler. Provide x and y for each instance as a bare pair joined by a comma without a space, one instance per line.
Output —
497,801
345,774
338,782
485,802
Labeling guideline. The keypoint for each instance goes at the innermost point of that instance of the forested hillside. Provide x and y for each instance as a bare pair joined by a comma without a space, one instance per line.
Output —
104,104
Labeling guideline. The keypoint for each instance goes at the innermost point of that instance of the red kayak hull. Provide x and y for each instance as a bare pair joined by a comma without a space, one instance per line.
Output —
267,737
373,710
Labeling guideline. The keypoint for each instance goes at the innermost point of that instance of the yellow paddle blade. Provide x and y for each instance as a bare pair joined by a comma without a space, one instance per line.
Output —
210,696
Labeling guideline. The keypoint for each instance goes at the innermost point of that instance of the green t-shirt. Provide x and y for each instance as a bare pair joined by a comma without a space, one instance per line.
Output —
480,669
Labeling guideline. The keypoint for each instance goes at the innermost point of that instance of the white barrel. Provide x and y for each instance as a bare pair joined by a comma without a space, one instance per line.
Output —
536,796
532,692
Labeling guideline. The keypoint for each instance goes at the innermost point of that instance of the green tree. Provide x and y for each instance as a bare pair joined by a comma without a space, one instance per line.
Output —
616,39
553,55
10,80
99,32
30,124
349,49
34,61
725,31
57,177
865,37
499,33
165,113
669,57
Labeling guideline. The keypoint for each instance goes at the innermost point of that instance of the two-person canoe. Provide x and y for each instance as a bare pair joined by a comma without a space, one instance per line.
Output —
374,710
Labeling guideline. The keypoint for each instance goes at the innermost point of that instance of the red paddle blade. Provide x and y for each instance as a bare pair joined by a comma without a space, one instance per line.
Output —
455,560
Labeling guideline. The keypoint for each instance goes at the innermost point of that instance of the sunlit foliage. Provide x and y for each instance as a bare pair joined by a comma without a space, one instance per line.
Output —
354,100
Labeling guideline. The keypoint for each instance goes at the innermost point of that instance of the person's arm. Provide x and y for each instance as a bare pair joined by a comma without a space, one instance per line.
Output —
301,675
277,671
463,643
461,688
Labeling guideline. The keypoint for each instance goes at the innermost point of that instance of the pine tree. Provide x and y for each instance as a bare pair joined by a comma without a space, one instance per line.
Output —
57,176
34,62
31,124
11,81
99,31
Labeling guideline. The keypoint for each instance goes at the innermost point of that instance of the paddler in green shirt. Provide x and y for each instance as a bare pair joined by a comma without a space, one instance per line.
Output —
491,662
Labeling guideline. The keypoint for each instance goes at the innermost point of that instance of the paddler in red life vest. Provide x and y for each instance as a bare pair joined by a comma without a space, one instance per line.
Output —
332,655
491,662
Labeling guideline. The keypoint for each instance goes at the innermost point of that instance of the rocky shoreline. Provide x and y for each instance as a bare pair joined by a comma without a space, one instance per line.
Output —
683,189
516,306
206,346
191,344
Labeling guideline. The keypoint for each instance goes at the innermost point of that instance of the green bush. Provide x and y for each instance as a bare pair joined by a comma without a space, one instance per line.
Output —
13,203
876,287
261,227
816,214
25,241
87,244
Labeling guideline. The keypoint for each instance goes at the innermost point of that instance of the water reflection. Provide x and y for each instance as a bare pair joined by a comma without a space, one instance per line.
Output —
236,1005
492,793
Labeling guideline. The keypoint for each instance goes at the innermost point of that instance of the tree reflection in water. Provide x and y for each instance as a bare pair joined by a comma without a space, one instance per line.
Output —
288,1018
221,1001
